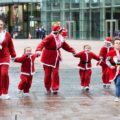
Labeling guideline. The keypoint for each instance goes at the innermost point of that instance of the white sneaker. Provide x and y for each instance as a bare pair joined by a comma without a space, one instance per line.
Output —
104,85
0,97
117,99
20,93
82,88
108,86
26,94
5,96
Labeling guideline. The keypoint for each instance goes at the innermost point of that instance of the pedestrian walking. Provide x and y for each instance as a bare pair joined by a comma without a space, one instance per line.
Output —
108,46
113,61
51,57
27,70
84,65
6,51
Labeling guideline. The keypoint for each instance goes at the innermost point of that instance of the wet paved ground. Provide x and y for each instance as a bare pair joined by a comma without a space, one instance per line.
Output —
71,103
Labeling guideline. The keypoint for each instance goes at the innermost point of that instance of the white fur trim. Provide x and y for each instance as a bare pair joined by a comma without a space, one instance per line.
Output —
0,47
86,60
83,68
50,64
107,41
4,63
28,74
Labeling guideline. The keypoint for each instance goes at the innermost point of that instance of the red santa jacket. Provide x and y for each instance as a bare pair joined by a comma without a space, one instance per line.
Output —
27,67
7,48
113,72
85,59
50,52
103,52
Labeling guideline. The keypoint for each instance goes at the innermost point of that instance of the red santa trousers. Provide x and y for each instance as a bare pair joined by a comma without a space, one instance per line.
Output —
85,76
51,77
105,75
4,79
25,83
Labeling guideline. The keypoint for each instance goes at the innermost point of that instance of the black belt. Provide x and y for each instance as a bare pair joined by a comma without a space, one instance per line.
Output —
85,62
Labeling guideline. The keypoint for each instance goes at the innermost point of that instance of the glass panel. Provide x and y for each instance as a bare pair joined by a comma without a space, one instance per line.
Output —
55,4
116,2
56,16
118,25
67,4
75,3
75,18
95,23
116,13
86,26
113,28
67,16
107,28
48,17
86,3
48,5
108,2
95,3
108,13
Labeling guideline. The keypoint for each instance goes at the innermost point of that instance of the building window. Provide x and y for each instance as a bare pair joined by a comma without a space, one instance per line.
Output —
67,16
55,4
86,3
95,3
56,16
108,2
67,4
48,5
116,2
95,23
75,3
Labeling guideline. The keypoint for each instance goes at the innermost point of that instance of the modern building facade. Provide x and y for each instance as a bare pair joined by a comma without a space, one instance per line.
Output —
84,19
21,17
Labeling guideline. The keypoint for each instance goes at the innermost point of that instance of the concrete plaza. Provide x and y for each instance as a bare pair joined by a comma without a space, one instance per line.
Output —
71,103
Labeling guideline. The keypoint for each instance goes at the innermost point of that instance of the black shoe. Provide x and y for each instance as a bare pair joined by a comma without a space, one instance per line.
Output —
48,92
55,92
87,88
104,86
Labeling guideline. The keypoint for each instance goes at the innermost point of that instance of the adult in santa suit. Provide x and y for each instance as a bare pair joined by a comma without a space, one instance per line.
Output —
108,46
51,56
6,50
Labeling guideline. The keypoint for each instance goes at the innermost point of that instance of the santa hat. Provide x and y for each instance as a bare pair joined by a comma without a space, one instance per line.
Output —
108,40
56,27
64,32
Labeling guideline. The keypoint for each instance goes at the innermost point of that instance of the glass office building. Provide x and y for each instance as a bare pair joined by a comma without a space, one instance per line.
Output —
84,19
21,16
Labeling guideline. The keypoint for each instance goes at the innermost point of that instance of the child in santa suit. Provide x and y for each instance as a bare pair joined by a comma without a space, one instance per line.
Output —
51,57
27,70
113,61
6,51
108,46
85,65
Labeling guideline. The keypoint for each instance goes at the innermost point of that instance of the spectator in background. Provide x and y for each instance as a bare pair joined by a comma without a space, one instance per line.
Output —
37,32
43,31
